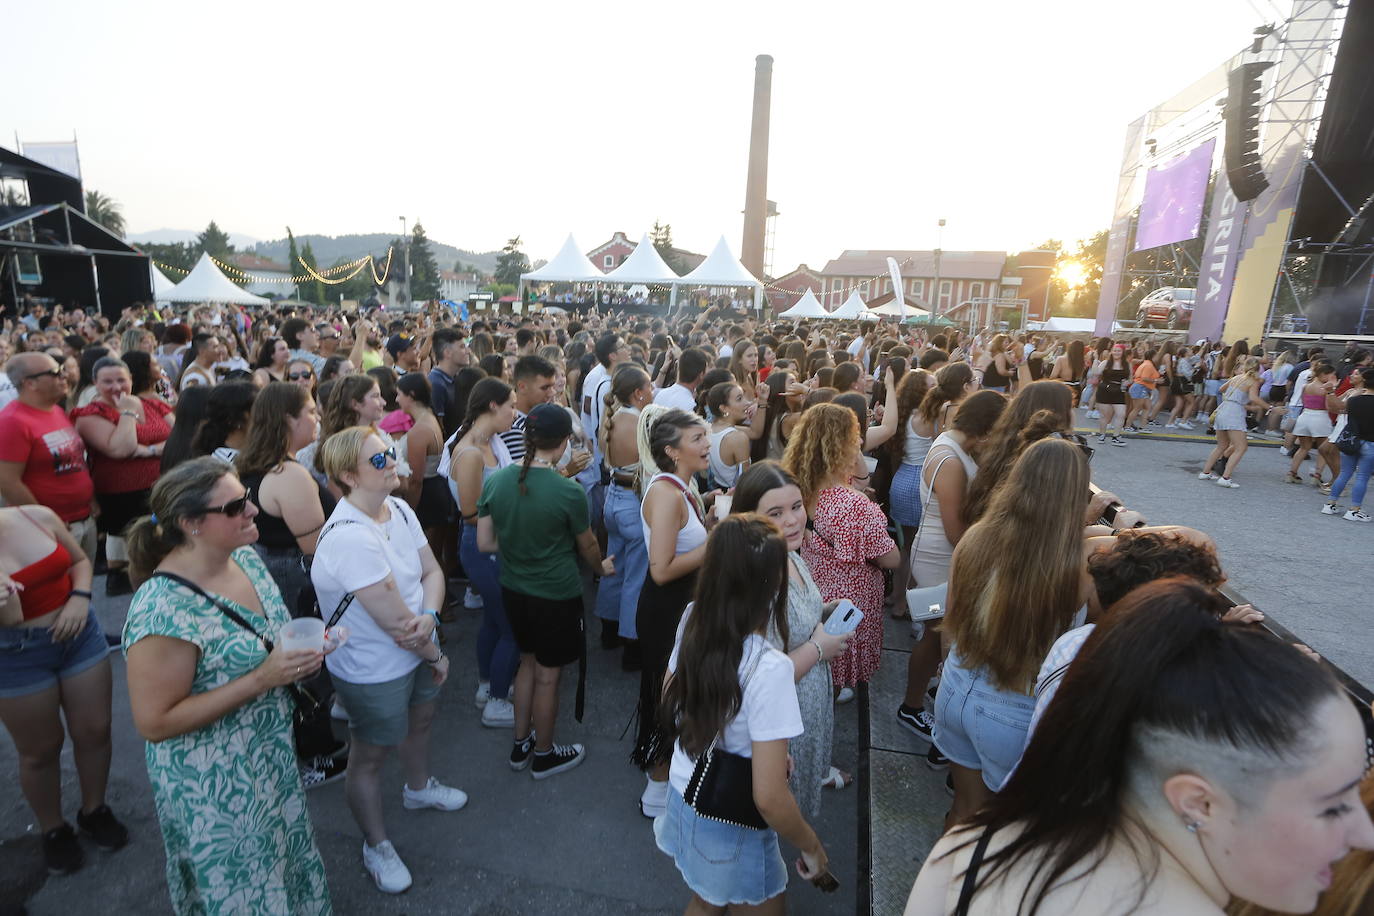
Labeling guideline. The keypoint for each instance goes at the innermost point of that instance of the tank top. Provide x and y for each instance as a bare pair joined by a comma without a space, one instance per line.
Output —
1314,401
724,475
691,535
916,447
931,551
273,532
47,582
498,448
776,447
992,378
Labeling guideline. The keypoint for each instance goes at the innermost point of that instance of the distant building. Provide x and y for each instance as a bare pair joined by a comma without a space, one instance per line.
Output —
611,254
784,292
456,287
275,277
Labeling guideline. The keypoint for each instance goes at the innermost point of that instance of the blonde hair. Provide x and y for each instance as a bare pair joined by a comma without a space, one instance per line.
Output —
342,451
822,444
658,428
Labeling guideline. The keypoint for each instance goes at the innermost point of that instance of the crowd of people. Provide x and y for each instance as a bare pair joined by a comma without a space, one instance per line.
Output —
301,499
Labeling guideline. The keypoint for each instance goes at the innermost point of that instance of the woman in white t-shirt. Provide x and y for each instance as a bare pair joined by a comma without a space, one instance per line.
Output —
373,549
724,861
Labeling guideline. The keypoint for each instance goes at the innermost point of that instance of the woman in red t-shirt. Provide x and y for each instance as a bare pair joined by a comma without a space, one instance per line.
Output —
124,434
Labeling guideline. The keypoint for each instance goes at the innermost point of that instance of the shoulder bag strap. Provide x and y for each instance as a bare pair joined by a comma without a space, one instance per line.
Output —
975,862
220,605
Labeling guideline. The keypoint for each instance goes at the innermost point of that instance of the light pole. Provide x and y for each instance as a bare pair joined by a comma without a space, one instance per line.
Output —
939,239
405,242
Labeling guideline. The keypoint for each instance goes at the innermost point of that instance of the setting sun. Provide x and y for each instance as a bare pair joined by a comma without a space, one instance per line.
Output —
1071,273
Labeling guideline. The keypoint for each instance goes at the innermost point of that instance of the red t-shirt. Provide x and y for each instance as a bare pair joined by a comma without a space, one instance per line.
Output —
53,455
128,475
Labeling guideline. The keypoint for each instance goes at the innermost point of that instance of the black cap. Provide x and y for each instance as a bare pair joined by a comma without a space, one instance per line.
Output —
398,344
548,422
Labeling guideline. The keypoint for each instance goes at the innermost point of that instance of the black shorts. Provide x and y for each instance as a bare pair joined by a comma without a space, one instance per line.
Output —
549,629
436,507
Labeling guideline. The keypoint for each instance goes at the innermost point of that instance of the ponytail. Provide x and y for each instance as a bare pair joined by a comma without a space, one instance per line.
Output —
179,494
950,383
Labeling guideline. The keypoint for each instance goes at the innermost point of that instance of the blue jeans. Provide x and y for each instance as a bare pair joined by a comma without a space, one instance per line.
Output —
1358,466
618,596
497,656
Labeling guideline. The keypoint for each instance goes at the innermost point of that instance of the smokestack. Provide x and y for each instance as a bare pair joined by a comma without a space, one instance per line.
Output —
756,190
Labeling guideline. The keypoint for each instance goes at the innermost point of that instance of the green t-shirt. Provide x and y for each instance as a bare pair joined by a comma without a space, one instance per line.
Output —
536,530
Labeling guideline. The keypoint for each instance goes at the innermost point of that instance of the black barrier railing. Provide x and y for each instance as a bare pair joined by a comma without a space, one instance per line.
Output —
1358,693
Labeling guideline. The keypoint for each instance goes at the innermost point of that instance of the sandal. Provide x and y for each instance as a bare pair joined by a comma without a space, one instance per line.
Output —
836,779
1293,478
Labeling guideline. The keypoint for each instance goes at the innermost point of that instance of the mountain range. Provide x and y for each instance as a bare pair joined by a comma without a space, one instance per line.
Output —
331,249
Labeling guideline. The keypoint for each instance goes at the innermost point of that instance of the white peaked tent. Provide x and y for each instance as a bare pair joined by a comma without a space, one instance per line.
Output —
852,308
721,268
892,310
644,265
205,283
808,306
570,265
161,285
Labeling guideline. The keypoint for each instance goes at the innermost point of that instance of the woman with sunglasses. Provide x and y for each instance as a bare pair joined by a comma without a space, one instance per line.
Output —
206,685
273,357
300,372
389,672
124,435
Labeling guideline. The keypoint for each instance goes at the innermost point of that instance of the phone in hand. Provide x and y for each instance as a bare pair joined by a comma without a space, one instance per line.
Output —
826,883
845,619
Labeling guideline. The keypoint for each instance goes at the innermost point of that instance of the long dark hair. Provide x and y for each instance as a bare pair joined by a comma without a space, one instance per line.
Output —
463,382
741,590
1161,686
268,427
950,383
486,392
265,351
190,410
226,411
777,409
1075,354
760,478
338,412
1039,409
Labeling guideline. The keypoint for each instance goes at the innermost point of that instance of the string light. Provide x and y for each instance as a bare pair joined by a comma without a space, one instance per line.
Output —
328,275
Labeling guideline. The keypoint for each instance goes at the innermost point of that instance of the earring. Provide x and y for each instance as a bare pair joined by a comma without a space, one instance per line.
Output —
1191,826
195,531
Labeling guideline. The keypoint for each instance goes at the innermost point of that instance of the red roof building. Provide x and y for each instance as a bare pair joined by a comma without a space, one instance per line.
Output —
784,292
611,254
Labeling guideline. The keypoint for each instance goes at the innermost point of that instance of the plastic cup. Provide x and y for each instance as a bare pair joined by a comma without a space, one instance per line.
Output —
722,504
302,633
871,463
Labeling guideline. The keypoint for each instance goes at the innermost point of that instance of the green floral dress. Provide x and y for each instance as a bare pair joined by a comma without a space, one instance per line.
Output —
229,797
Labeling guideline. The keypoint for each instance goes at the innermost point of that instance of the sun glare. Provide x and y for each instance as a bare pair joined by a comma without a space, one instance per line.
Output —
1071,273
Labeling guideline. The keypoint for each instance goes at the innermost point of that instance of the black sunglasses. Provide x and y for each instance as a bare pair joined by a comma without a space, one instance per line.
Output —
378,460
297,376
1082,443
55,373
233,508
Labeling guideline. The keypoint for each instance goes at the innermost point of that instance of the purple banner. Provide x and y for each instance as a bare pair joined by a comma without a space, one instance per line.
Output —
1220,256
1171,209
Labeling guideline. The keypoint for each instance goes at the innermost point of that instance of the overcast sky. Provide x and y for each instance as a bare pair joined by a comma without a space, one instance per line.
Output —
1005,118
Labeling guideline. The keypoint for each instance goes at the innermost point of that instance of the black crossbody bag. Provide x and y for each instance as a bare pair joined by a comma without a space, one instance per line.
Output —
722,789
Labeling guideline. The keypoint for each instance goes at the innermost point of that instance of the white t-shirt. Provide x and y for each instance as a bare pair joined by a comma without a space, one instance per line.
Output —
1295,396
595,376
678,396
768,709
354,556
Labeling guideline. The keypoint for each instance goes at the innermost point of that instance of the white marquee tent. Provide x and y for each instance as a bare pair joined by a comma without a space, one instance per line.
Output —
721,268
852,308
644,265
570,265
808,306
892,310
161,285
205,283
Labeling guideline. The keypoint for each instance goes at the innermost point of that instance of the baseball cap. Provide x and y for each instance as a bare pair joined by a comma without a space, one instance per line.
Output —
398,344
548,421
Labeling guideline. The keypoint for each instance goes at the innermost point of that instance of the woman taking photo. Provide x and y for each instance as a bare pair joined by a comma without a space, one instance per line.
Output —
1015,584
478,454
617,597
1237,395
538,519
388,673
770,491
125,434
848,547
55,669
206,676
1183,799
731,693
270,366
674,444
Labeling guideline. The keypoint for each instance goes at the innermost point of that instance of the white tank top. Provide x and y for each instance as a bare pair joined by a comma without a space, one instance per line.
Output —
916,446
691,535
724,474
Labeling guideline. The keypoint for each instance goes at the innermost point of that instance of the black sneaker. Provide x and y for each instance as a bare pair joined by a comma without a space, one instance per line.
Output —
917,721
522,752
556,759
103,829
610,634
322,770
936,760
61,851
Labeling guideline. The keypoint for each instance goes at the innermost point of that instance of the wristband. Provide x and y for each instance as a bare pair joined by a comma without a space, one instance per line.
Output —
80,593
437,659
431,611
820,654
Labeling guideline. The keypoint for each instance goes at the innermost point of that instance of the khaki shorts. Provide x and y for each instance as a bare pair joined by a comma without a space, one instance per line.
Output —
83,532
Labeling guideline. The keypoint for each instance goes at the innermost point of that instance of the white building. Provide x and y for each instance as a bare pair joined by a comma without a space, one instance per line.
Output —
456,287
275,277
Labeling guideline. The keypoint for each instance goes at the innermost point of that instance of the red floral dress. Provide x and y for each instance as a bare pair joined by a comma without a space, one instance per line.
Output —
850,530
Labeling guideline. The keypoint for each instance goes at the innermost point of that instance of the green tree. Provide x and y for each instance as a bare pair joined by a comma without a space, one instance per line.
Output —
105,211
311,290
662,238
293,256
214,241
173,254
511,263
424,270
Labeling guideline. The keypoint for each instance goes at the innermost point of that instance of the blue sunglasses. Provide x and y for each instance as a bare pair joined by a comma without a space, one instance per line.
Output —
379,460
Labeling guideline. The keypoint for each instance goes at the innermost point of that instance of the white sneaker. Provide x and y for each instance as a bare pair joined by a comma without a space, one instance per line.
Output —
482,695
1227,482
1358,515
1171,425
434,795
1330,509
846,695
1184,424
1204,475
472,600
386,867
498,713
653,801
1093,415
336,711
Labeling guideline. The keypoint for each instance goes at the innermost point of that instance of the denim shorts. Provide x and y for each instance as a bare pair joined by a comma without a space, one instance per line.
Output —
30,662
1211,387
721,863
1140,392
979,726
379,714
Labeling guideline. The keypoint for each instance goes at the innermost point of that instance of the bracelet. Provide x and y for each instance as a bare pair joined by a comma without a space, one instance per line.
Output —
128,413
80,593
440,657
433,612
820,654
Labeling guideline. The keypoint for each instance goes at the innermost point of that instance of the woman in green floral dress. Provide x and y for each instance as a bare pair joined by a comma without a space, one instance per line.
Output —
211,701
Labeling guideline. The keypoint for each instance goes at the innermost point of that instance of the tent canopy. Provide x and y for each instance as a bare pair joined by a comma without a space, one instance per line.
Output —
161,285
892,310
644,265
205,283
808,306
721,268
570,265
851,308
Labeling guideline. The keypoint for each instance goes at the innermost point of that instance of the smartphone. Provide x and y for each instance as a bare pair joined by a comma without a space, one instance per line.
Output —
826,883
844,619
